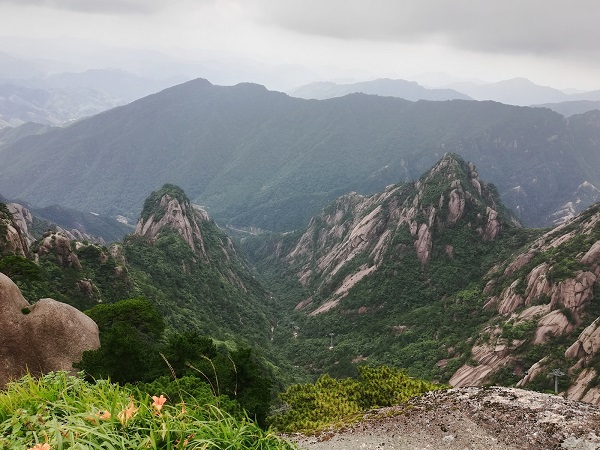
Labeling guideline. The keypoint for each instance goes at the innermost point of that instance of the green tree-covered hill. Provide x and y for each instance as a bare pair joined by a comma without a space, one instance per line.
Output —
258,158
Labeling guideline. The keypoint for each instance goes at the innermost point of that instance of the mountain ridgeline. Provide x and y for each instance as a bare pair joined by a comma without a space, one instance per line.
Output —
408,90
262,159
376,274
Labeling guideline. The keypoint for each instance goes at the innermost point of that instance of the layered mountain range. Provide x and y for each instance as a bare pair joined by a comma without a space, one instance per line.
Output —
435,275
408,90
255,158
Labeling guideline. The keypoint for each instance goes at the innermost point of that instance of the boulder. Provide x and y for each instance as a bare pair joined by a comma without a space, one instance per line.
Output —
554,323
45,337
587,344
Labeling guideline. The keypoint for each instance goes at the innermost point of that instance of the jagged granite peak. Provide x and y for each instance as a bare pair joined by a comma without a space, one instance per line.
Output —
170,207
14,238
550,289
361,228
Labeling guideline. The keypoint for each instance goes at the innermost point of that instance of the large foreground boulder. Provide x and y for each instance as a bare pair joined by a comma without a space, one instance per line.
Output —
44,337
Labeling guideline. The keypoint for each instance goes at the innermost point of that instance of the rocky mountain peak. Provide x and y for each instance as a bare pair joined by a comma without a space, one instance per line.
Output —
169,207
356,234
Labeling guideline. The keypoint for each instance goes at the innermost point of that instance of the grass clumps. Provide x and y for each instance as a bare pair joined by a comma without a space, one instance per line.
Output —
59,412
330,402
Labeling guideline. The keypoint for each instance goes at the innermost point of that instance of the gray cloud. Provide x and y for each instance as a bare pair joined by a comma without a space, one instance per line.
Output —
529,26
96,6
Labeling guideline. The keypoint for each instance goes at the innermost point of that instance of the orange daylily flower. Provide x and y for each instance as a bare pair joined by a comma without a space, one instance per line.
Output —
104,415
127,413
40,447
158,402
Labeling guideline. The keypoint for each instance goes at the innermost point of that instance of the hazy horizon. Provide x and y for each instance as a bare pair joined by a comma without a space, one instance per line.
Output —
287,44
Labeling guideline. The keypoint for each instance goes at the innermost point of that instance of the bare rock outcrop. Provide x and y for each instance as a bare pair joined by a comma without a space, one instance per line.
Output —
554,323
587,344
456,206
574,293
423,243
563,267
472,418
493,225
43,337
509,299
592,258
176,215
13,232
59,244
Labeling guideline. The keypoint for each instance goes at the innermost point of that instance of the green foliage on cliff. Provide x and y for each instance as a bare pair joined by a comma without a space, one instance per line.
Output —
152,206
216,297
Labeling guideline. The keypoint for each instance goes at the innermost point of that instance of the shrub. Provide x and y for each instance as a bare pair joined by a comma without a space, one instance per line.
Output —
331,402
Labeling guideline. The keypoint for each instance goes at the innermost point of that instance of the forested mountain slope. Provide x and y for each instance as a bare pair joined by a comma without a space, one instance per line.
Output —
258,158
394,277
177,258
438,277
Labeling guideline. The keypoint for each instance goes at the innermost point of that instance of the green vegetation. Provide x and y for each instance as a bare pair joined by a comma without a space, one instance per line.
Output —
98,276
200,324
61,412
264,159
152,206
330,402
405,314
134,348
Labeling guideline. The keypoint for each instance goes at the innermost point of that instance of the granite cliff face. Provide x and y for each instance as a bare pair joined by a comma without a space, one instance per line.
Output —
545,298
169,209
357,228
71,266
177,213
14,238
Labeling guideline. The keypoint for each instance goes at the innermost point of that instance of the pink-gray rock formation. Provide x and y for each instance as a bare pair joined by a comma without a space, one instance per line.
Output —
44,337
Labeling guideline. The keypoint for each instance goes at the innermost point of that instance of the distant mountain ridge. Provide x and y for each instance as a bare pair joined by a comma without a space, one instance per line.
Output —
572,107
254,157
408,90
521,92
19,105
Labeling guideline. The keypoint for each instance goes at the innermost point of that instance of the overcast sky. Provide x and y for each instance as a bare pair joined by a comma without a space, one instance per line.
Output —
551,42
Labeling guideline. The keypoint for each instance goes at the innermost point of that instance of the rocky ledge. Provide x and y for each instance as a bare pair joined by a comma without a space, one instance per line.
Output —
471,418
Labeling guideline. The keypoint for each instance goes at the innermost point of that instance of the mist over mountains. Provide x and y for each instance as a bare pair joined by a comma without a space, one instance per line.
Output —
408,90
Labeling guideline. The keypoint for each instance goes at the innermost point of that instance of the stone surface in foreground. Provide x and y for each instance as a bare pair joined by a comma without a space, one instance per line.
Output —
471,418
